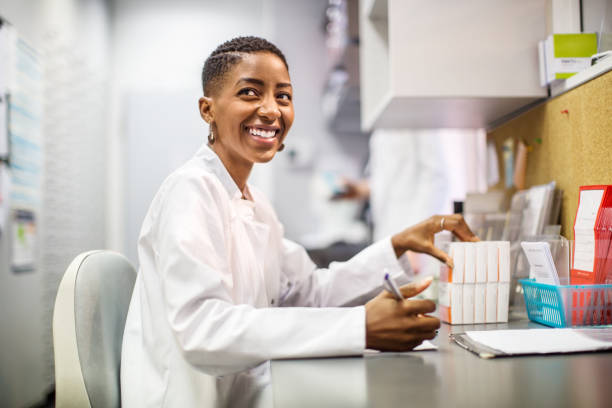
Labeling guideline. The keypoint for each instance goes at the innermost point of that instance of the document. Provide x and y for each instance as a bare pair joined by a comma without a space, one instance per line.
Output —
541,263
424,346
543,341
536,213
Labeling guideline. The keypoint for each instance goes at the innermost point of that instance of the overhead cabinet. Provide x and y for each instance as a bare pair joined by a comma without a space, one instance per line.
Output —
443,63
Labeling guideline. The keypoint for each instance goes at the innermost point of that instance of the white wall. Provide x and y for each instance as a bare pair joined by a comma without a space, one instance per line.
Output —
73,38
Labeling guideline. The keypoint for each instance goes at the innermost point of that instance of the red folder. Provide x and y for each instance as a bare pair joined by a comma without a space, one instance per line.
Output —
595,247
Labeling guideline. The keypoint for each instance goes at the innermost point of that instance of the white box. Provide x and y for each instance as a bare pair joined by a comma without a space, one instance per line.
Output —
504,260
457,252
481,261
480,288
451,302
469,274
492,262
491,303
480,294
468,303
503,297
469,278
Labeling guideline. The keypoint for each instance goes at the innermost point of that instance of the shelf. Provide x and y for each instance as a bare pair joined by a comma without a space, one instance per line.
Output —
581,77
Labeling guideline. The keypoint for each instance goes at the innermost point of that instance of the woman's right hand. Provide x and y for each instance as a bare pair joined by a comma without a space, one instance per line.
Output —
393,325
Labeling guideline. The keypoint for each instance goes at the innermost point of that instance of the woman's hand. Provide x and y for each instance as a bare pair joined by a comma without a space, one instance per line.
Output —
394,325
420,237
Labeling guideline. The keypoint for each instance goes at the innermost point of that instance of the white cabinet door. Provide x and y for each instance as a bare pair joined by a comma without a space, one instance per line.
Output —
443,63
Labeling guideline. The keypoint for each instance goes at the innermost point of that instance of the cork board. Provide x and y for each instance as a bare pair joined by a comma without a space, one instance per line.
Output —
570,139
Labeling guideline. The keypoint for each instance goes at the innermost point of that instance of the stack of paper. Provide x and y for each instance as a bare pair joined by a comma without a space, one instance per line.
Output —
536,341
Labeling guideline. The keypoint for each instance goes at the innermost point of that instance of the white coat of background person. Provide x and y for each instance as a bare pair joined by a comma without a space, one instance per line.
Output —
415,173
408,181
215,266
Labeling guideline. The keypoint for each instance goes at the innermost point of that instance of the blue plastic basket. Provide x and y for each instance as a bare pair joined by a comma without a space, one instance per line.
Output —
568,305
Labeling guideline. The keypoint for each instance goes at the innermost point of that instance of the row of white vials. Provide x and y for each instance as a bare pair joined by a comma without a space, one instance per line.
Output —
477,289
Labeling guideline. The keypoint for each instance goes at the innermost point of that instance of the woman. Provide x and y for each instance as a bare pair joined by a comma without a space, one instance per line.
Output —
215,267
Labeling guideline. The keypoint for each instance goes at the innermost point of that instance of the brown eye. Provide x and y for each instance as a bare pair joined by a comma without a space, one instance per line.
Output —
284,96
248,92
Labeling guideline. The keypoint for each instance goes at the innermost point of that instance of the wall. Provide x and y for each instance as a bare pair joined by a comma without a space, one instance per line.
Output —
570,140
73,39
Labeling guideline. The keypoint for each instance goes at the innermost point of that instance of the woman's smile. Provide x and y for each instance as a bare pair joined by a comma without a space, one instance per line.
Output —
263,134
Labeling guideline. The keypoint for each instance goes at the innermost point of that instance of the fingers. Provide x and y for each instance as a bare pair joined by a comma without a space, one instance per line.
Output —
421,324
414,288
420,306
457,225
442,256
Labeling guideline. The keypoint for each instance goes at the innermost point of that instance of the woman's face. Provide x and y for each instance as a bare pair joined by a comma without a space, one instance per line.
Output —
252,110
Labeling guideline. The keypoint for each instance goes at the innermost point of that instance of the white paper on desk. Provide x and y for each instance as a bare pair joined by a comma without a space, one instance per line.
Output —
584,229
426,345
544,341
541,264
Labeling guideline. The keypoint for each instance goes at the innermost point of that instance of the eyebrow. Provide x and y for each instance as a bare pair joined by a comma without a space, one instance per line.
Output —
261,83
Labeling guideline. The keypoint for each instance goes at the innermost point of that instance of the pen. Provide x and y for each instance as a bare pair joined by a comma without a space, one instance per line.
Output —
390,285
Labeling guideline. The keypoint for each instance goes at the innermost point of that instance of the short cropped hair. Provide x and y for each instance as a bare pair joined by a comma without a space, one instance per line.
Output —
228,54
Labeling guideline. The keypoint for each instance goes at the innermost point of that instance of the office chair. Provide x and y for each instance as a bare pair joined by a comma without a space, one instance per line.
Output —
88,321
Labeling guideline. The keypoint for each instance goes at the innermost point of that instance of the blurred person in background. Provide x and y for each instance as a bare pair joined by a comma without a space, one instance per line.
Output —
411,175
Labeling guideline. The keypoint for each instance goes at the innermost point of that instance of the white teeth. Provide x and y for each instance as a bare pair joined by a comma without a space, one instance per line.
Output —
262,133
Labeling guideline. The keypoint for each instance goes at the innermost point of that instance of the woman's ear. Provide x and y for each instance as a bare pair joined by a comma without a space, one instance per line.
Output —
206,112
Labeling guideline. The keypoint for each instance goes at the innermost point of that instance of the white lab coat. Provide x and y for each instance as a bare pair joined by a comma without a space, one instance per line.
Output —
213,269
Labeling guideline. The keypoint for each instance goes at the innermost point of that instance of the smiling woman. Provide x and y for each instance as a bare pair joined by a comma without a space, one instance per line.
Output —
220,290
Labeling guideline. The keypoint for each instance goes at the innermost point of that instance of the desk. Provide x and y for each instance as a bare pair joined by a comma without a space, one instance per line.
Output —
449,377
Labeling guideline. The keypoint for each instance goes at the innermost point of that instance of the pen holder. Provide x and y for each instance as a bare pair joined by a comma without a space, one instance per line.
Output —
568,305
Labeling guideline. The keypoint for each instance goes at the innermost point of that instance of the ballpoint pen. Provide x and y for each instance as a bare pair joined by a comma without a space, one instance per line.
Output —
390,285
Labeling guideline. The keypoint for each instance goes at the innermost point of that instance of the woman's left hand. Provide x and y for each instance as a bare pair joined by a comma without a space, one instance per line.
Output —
420,237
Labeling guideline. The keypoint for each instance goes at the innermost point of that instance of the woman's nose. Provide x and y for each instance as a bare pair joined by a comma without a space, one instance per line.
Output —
269,109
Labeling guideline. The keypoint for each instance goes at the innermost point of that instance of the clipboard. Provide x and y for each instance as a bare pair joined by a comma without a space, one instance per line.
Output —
480,350
539,342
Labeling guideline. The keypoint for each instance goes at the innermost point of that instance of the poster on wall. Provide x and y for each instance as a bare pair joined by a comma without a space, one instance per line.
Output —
5,181
23,245
5,80
25,128
4,141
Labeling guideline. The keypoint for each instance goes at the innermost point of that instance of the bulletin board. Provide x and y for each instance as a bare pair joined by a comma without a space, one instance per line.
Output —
570,139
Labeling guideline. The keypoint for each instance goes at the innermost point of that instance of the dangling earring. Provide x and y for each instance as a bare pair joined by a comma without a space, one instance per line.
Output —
211,136
281,147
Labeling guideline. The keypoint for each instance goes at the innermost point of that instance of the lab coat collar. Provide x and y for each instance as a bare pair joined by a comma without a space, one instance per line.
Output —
218,168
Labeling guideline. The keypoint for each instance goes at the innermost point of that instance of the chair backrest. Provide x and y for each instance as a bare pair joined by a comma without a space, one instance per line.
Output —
88,322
